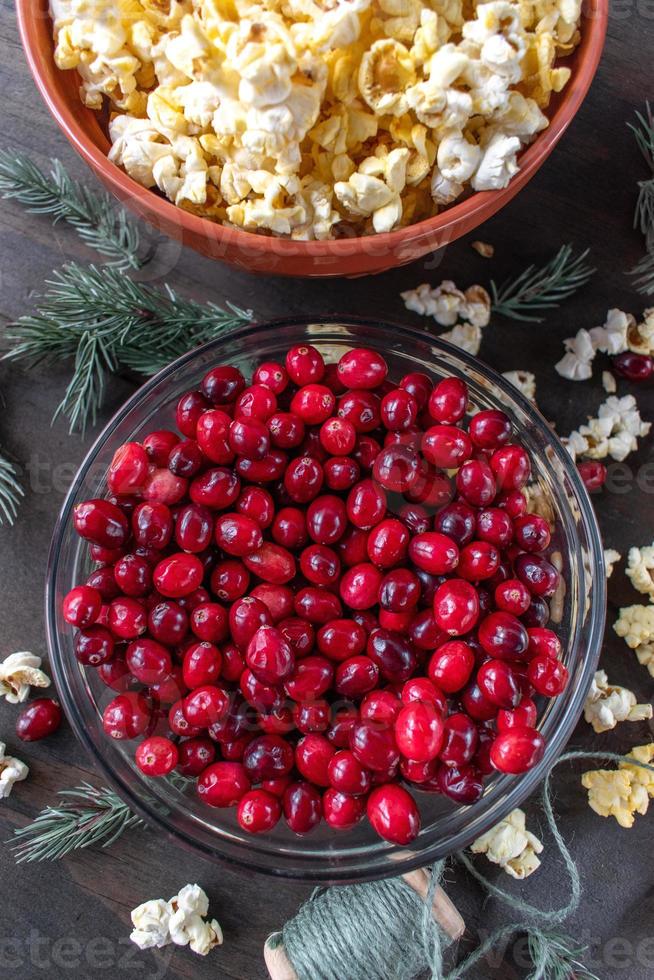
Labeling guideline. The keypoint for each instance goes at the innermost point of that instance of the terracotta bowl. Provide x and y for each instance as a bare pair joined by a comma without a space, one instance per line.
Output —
276,256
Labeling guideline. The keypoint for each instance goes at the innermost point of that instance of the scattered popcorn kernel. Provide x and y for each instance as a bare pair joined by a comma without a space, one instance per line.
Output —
11,771
612,337
511,845
19,672
606,705
180,921
611,556
640,569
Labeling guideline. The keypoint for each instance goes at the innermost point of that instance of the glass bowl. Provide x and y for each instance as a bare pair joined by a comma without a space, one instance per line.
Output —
171,804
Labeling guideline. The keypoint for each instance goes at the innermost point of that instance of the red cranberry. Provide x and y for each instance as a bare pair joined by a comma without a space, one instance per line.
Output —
268,757
359,587
148,660
256,402
202,664
94,646
163,487
511,467
326,519
269,656
286,430
38,719
205,705
538,574
317,605
393,654
503,635
302,807
399,591
299,634
338,437
102,523
416,518
490,429
313,754
265,470
419,731
249,437
547,676
523,716
362,368
434,552
209,622
446,446
128,469
498,682
127,618
217,488
157,756
212,435
460,740
82,606
366,504
313,403
115,674
245,617
451,666
532,533
448,401
278,598
159,445
344,719
397,468
311,717
230,580
361,408
494,526
356,676
462,784
537,614
456,606
195,754
189,409
258,811
342,811
289,528
424,633
222,384
634,367
127,716
320,565
517,750
178,723
340,639
476,704
341,472
311,678
178,575
375,747
512,596
399,410
388,543
102,580
393,814
133,575
223,784
545,642
237,534
457,521
272,375
272,563
347,775
593,473
303,479
186,459
304,364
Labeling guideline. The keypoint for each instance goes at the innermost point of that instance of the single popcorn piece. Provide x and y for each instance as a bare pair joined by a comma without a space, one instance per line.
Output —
622,792
19,672
466,336
447,304
635,625
640,569
511,845
640,337
11,771
645,656
612,337
609,383
313,91
180,921
576,363
524,381
606,705
615,431
611,556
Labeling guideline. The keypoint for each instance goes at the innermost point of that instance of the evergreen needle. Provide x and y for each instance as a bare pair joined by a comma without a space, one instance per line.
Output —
10,491
98,220
541,288
556,958
104,321
644,213
88,816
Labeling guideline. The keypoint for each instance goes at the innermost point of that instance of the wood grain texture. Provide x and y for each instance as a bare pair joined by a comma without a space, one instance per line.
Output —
71,919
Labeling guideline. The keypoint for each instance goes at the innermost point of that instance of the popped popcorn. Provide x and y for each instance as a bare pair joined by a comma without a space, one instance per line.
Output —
615,431
511,845
635,625
181,921
19,672
622,792
612,337
447,304
524,381
576,363
640,569
640,337
314,92
466,336
11,771
645,656
607,704
611,556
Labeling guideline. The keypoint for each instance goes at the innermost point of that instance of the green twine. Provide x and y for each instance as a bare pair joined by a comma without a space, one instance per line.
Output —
384,929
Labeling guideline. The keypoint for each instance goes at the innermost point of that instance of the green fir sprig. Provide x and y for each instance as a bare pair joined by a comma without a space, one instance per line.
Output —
541,288
643,130
10,491
556,957
87,816
96,217
104,321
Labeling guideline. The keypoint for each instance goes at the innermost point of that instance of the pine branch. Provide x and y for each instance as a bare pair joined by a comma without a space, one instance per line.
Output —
89,816
98,220
541,288
105,321
555,958
644,213
10,492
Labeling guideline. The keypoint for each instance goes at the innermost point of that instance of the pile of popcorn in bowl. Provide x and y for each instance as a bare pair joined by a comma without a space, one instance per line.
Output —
316,121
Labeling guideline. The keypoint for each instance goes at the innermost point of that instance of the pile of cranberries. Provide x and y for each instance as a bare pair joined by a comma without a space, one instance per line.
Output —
325,593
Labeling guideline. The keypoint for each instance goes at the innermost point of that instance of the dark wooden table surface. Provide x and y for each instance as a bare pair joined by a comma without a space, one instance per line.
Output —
71,919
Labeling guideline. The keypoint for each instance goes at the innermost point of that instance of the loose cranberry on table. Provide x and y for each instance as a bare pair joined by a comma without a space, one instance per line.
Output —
38,719
327,580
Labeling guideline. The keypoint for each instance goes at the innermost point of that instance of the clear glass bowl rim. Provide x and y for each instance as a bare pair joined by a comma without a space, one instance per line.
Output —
516,789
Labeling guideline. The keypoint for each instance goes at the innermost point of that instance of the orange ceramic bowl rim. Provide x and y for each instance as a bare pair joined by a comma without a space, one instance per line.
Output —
440,229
